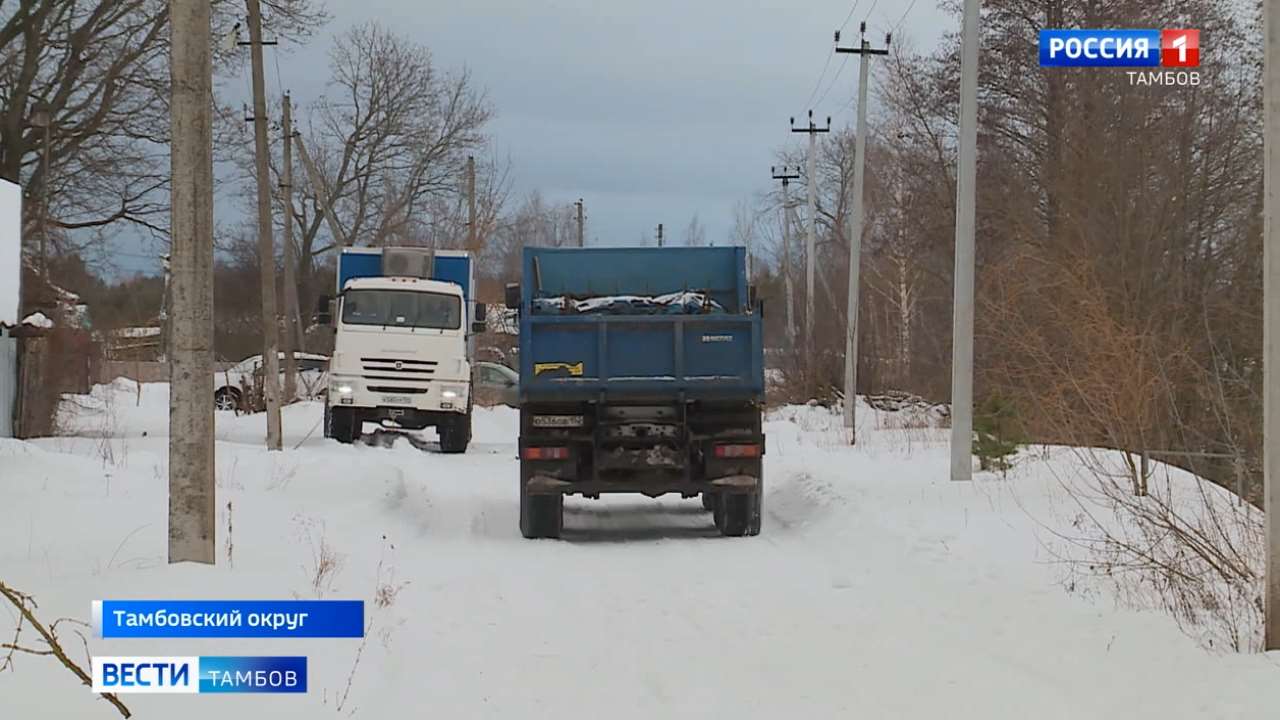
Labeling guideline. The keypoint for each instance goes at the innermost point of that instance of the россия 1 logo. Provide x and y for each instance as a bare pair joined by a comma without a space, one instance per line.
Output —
1174,50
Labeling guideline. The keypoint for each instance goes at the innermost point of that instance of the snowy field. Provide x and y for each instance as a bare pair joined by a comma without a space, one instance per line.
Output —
877,589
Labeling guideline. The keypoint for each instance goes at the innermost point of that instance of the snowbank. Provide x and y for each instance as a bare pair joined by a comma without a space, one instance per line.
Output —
877,589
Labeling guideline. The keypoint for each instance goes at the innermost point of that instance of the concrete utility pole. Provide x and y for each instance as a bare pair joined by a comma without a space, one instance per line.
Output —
786,176
472,231
578,205
1271,323
966,224
192,514
266,240
864,52
293,340
811,243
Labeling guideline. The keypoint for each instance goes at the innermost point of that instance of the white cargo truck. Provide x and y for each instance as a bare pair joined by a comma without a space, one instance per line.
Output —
404,320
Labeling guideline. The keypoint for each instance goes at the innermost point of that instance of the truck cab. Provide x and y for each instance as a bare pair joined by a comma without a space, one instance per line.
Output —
402,348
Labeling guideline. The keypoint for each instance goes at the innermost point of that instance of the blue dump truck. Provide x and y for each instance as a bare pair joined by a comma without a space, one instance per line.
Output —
641,371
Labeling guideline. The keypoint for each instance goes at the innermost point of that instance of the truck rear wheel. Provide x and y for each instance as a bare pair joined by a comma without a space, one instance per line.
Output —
708,501
343,425
455,434
541,516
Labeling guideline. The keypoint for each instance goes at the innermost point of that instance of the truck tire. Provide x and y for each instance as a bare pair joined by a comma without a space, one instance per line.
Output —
708,501
343,424
455,434
541,516
738,514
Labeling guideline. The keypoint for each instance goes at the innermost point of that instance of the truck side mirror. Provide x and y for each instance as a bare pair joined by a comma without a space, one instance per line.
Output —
478,326
482,310
324,313
513,296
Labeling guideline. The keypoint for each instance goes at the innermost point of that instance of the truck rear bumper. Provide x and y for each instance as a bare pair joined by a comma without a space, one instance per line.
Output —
732,484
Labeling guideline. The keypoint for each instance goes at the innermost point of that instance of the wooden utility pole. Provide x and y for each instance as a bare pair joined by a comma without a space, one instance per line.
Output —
811,245
864,52
293,340
473,233
786,176
266,239
1271,322
322,194
579,207
192,502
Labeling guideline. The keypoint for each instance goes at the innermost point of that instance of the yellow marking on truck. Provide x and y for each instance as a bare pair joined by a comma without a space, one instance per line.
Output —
573,369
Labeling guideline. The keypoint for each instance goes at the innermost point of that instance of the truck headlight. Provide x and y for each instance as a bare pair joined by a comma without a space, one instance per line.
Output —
343,389
449,394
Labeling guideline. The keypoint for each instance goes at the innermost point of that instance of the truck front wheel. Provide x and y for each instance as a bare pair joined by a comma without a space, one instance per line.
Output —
455,434
541,516
343,425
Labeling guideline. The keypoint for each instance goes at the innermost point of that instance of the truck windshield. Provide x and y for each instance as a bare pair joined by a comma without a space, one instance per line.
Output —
402,308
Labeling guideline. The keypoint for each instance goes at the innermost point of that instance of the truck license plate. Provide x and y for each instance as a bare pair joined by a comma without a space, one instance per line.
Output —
395,399
557,421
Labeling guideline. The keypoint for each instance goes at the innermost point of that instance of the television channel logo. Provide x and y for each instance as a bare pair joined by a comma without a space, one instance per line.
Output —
1172,54
203,674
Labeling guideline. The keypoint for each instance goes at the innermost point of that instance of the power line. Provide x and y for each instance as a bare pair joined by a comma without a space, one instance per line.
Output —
849,17
832,84
871,10
812,95
904,17
827,65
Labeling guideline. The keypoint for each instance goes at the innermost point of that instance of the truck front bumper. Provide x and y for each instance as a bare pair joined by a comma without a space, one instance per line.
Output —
435,396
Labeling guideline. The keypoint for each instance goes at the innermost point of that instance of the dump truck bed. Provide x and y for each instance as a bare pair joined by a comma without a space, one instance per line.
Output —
600,323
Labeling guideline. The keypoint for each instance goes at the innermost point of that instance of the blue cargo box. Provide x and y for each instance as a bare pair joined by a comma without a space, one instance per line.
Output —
581,355
363,262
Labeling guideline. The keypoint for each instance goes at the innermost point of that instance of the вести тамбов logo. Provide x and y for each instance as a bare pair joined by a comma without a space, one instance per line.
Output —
1149,57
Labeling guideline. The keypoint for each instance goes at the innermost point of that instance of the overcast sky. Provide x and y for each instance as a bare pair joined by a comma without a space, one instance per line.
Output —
649,111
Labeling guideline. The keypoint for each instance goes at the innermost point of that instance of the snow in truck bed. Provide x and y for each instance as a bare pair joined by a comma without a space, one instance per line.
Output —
878,588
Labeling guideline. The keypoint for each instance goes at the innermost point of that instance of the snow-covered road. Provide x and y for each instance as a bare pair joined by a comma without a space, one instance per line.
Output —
877,588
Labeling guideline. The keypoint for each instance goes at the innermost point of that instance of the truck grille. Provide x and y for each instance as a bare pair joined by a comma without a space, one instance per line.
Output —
397,369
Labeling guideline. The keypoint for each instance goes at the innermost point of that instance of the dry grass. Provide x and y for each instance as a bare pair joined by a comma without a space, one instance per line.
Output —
1186,548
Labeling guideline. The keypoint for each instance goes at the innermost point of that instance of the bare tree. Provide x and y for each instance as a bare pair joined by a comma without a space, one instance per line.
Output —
695,233
97,70
389,139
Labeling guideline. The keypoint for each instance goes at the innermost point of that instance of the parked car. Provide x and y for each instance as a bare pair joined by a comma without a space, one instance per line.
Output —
229,386
496,384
